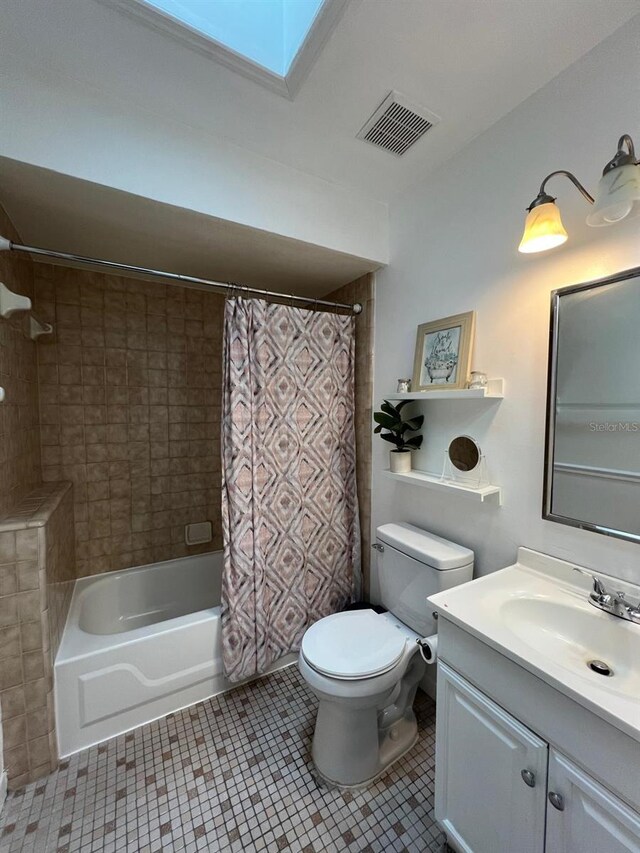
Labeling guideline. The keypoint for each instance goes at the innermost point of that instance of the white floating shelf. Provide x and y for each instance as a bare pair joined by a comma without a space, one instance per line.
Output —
493,391
430,481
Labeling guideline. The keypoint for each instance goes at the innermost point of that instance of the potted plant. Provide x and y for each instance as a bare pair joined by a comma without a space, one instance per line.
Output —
390,418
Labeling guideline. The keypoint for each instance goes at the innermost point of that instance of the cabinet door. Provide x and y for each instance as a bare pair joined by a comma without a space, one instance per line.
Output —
589,819
482,800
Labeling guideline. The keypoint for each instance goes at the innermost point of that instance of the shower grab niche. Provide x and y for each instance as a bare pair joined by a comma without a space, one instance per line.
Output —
37,329
11,303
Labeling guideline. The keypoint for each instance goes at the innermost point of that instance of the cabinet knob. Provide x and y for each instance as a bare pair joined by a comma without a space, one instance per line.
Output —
556,800
529,778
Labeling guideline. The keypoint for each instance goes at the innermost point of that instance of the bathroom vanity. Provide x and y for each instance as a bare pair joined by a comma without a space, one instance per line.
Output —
535,751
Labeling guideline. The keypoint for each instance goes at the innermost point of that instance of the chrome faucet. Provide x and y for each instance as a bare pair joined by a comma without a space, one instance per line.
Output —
614,603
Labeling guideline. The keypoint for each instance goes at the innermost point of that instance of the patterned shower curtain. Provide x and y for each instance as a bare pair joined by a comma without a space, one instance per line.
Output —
289,502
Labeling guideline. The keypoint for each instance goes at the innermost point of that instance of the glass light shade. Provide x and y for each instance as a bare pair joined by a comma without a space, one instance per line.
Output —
617,196
543,229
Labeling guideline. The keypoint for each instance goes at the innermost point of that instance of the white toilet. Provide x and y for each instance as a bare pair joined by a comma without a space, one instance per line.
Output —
364,667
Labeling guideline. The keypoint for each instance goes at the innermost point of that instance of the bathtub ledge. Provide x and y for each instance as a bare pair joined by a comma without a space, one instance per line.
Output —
36,508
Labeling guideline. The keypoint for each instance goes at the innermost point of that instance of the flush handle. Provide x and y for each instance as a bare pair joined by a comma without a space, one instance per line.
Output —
529,778
556,800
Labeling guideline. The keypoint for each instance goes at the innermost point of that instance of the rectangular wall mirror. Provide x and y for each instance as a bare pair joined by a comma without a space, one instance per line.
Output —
592,471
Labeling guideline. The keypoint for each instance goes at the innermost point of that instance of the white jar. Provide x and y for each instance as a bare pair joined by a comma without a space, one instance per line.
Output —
478,380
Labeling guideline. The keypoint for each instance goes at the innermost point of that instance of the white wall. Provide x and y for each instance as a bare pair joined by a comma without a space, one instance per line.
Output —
63,125
454,248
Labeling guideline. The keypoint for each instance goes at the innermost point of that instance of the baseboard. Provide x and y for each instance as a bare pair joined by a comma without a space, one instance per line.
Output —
3,789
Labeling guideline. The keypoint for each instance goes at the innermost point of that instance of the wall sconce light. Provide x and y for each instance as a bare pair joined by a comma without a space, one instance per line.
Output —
617,196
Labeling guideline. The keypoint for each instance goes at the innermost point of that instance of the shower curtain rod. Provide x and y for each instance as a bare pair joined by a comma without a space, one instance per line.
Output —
8,245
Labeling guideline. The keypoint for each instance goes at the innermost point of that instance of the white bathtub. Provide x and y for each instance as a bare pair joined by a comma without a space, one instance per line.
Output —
138,644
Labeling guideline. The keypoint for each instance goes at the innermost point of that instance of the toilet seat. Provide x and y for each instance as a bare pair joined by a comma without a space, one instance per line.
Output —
353,645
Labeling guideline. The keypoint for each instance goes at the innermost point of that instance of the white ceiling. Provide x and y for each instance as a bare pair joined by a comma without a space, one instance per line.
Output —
469,61
56,211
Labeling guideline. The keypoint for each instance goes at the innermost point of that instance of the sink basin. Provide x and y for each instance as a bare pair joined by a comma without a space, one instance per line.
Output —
537,613
573,635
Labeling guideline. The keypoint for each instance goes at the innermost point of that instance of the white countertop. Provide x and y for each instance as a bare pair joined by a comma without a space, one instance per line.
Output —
537,613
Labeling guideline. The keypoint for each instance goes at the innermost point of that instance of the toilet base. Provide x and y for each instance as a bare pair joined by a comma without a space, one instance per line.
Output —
357,739
391,751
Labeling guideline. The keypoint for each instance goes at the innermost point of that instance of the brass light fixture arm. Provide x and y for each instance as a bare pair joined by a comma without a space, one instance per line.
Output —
544,198
616,197
622,157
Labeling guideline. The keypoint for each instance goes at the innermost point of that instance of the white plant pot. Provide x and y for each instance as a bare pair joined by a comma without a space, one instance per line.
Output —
400,461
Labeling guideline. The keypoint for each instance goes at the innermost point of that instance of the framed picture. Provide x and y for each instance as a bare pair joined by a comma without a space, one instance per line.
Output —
443,353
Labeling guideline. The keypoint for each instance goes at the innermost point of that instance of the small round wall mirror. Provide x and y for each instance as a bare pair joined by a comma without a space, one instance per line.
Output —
464,453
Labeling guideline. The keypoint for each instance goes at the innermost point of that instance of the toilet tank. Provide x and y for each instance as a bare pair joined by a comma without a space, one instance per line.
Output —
414,564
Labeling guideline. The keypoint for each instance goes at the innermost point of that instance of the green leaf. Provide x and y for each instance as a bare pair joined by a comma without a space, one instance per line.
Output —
377,429
391,437
390,410
385,420
415,423
414,443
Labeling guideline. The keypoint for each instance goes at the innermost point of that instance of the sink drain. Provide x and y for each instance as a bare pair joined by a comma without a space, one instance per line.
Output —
600,667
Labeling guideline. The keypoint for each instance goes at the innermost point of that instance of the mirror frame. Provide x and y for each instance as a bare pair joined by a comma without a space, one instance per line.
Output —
547,514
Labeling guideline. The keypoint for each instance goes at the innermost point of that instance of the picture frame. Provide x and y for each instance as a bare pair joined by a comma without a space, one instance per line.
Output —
443,353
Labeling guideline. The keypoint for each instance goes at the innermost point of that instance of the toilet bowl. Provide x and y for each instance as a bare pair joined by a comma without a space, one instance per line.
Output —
364,667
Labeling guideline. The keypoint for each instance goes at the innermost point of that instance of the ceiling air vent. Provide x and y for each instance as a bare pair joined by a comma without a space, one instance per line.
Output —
397,124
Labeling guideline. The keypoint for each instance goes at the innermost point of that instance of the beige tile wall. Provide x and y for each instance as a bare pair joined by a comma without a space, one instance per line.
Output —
130,412
26,680
57,546
130,388
362,290
128,393
36,579
19,441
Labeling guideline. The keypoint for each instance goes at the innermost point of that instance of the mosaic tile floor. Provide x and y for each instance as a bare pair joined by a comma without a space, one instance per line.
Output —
228,774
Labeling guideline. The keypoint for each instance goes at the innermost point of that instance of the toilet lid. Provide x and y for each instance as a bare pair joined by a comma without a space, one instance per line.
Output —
356,644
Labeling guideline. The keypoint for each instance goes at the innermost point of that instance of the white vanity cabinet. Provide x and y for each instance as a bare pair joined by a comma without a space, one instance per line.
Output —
537,748
501,788
590,818
483,801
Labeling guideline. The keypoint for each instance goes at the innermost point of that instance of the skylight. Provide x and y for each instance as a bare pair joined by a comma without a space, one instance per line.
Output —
267,32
